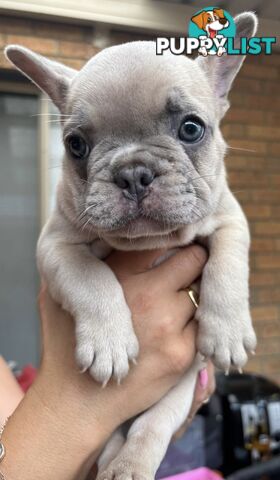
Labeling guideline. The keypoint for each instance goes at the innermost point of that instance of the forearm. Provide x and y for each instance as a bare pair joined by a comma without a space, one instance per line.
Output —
48,439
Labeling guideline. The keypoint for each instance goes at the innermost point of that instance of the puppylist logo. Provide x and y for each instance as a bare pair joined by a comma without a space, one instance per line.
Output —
211,32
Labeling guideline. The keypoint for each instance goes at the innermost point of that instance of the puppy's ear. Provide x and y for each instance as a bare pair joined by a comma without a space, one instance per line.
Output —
219,12
199,20
221,71
51,77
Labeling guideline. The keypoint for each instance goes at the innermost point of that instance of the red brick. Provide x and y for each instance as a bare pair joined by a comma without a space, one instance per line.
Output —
233,131
4,63
267,228
261,278
266,195
270,59
264,244
271,118
247,147
269,346
271,364
274,147
254,71
268,329
236,162
247,179
70,62
45,46
275,211
18,26
270,88
253,364
269,295
251,85
268,262
267,133
61,31
3,41
265,313
75,50
257,211
262,102
245,116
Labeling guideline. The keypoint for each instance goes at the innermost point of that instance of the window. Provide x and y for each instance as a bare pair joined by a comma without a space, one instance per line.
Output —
30,159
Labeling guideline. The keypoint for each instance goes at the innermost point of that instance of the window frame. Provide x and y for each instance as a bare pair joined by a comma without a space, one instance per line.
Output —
43,141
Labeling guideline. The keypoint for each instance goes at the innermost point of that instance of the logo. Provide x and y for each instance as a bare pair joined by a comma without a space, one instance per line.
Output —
212,31
212,27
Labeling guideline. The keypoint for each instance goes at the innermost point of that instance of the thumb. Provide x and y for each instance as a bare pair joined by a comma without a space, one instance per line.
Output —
183,268
133,263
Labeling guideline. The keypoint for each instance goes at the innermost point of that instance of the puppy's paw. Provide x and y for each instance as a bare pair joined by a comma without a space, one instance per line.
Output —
226,340
105,346
125,469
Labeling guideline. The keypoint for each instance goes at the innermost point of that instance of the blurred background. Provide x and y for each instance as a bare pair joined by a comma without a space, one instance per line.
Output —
31,151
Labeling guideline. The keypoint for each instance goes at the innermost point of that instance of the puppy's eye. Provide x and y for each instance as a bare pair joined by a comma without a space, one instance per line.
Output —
78,147
191,130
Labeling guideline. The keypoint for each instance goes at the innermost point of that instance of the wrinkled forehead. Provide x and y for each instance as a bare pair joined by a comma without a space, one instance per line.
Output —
126,87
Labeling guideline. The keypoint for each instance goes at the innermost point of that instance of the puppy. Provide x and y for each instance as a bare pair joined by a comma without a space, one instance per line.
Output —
143,169
211,21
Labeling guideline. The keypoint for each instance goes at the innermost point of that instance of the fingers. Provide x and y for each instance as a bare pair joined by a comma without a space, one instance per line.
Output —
189,335
132,263
181,269
186,307
205,387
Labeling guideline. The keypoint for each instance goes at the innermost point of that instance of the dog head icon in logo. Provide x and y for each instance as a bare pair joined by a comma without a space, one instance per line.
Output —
211,21
214,24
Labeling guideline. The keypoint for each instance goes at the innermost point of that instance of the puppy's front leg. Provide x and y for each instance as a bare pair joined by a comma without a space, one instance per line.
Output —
88,289
150,434
225,328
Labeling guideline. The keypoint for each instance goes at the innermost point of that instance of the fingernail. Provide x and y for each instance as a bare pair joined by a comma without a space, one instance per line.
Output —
203,378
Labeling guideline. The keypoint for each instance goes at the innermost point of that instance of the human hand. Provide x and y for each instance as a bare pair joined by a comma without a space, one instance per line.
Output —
160,311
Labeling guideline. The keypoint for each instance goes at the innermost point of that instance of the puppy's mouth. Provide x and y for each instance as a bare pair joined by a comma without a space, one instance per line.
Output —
212,32
141,227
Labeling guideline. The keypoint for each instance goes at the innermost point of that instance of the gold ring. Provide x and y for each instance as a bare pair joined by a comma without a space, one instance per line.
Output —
207,400
193,296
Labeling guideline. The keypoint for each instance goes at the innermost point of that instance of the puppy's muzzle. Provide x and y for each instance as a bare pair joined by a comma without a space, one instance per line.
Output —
134,181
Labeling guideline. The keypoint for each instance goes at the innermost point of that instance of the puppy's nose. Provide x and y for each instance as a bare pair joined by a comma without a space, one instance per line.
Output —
223,21
134,181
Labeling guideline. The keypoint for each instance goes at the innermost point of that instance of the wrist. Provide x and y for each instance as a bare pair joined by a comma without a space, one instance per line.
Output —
45,435
70,411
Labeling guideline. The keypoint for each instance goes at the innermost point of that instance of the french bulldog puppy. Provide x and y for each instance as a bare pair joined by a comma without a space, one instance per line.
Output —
143,169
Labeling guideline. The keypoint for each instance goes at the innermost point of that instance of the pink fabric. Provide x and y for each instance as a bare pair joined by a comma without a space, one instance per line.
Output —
27,377
197,474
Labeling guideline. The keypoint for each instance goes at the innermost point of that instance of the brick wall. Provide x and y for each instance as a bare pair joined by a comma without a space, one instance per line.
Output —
252,130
